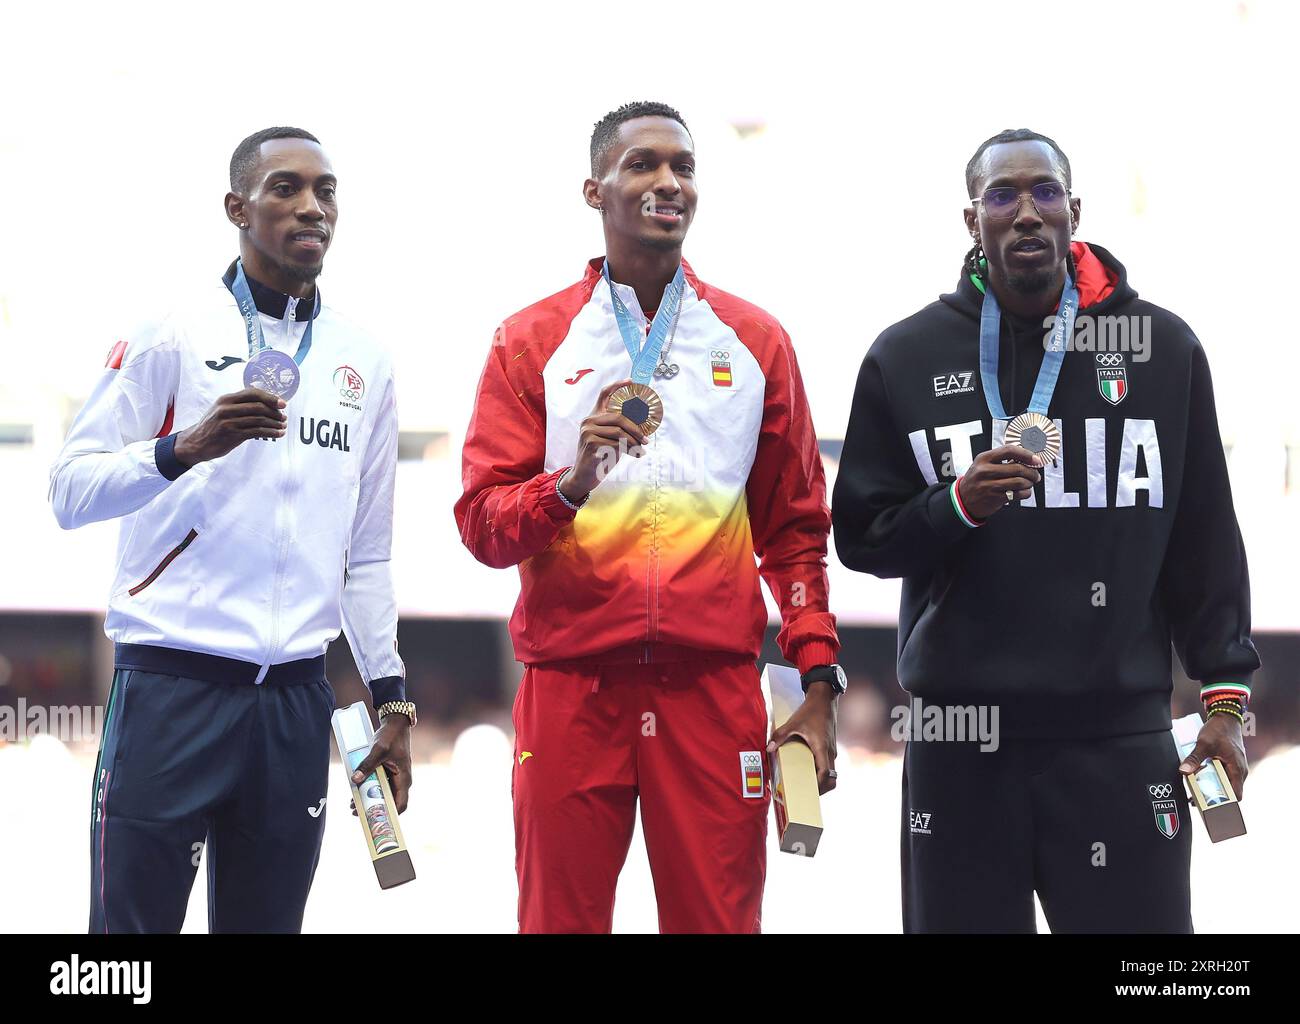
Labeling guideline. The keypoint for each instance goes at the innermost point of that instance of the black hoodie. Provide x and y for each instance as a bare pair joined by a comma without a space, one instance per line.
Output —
1060,609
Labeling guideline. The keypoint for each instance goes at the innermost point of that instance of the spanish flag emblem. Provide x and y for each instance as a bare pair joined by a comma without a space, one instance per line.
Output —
721,370
751,773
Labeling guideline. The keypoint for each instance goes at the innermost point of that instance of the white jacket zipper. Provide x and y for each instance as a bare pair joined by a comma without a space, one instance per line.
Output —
285,492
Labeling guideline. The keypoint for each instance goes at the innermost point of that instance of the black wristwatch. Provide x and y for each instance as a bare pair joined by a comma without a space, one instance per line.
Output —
832,674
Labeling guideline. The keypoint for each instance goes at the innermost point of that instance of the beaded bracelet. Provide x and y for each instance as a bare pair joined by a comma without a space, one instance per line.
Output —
571,505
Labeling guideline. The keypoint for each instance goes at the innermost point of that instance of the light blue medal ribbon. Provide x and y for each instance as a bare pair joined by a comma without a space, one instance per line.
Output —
253,325
267,368
646,357
990,335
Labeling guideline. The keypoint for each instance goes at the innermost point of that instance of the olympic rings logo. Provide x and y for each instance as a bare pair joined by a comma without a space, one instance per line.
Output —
718,353
1161,791
1109,359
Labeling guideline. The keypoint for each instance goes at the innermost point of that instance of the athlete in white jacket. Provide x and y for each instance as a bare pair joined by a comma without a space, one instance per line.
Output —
249,537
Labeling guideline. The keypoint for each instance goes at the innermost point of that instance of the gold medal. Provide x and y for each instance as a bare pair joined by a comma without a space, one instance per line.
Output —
1036,433
639,403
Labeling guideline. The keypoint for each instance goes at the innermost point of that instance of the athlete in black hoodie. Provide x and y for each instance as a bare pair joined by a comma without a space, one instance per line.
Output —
1045,594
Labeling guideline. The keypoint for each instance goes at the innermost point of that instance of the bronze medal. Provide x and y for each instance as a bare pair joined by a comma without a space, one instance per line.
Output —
641,404
1035,433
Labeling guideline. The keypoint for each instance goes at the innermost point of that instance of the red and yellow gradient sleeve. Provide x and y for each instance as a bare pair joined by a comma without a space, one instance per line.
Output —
509,509
788,515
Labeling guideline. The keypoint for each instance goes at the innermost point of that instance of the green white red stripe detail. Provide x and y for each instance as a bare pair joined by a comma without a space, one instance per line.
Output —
1167,822
959,508
1211,690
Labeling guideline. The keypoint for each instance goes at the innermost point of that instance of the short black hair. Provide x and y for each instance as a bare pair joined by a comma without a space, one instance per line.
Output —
1013,135
243,160
605,133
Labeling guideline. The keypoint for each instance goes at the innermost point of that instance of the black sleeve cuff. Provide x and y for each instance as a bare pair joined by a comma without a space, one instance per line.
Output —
164,457
386,689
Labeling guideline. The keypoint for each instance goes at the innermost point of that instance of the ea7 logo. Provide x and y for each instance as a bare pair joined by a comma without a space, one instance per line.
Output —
919,822
958,383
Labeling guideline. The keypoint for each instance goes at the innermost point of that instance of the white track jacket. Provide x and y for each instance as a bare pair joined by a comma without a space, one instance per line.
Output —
250,564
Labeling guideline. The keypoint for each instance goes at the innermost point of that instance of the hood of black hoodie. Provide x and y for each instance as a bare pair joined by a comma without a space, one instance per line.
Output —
969,300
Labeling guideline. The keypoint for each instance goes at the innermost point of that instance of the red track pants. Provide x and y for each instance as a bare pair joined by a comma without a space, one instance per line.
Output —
589,740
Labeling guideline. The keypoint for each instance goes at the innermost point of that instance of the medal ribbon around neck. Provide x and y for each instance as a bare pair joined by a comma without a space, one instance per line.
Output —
268,369
990,334
646,358
253,325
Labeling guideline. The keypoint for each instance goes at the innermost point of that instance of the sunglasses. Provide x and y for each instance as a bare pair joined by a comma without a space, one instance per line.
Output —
1002,203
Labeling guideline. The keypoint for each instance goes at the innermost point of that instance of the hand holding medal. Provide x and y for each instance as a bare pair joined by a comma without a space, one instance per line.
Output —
639,403
1036,434
628,412
232,420
268,370
272,372
997,477
1032,434
270,379
602,439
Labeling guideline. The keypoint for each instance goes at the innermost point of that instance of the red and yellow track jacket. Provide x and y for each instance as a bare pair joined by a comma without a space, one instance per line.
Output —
664,550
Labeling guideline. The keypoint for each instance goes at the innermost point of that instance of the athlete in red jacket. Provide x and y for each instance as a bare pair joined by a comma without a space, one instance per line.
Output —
640,615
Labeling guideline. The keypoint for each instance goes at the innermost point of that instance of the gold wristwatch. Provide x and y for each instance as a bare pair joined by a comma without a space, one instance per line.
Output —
397,707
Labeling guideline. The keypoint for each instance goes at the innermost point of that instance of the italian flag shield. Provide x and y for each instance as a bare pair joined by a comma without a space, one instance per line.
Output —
1113,384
